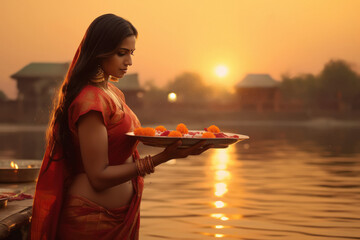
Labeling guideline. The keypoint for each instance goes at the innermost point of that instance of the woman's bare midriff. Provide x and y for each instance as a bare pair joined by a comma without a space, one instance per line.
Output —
114,197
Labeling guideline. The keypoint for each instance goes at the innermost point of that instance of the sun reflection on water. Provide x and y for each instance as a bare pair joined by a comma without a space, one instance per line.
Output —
220,189
220,161
220,216
217,215
219,204
221,175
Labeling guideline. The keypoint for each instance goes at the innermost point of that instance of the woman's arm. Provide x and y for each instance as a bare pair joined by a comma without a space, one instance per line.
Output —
94,151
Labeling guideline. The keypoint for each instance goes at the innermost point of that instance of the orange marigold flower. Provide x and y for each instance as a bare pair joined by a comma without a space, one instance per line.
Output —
208,135
160,128
213,129
182,128
175,134
148,131
139,131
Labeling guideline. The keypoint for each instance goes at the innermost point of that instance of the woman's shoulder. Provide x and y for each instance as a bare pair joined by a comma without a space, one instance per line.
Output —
91,98
90,89
90,93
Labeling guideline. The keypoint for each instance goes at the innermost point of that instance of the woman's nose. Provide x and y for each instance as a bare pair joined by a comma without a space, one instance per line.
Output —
128,60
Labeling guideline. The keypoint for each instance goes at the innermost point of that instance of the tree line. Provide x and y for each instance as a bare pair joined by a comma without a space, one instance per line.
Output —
337,86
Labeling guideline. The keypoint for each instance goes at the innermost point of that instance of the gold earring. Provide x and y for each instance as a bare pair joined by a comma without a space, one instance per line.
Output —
113,79
99,77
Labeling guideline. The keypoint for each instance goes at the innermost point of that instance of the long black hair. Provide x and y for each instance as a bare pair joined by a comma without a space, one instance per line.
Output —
100,41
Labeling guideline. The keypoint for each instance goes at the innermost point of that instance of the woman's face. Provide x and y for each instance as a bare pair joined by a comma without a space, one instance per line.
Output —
117,65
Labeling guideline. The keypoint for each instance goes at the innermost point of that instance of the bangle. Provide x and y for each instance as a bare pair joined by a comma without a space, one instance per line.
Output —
139,168
144,166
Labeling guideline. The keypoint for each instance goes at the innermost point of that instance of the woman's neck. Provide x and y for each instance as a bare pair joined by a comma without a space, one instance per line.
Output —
103,84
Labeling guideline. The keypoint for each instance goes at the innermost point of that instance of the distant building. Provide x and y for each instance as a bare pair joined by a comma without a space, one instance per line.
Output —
130,86
258,92
38,82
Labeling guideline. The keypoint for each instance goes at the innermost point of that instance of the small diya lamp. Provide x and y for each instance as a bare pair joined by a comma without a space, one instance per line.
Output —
13,171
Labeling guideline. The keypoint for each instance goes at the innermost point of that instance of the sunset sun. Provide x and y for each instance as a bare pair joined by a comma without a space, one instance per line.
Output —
221,71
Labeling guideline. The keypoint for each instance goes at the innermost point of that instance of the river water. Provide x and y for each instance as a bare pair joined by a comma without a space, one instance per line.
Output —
286,182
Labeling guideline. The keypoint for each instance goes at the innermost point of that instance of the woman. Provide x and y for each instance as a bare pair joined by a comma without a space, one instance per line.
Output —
91,179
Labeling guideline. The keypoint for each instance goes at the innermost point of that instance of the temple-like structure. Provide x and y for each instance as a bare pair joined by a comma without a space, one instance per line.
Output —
38,83
259,92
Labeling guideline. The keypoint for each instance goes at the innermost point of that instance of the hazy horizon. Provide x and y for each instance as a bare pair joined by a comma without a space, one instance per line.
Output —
273,37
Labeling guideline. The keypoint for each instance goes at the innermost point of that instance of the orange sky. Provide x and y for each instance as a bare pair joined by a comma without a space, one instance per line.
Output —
249,36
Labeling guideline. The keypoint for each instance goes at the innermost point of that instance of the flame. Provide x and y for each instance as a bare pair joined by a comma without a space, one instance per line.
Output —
14,165
29,166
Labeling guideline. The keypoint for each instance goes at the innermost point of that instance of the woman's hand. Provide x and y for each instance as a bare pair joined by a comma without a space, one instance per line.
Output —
174,151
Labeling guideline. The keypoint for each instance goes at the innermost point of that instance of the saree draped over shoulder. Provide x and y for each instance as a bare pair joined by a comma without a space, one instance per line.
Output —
50,195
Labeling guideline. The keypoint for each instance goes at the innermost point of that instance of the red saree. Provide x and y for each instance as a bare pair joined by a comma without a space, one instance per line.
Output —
87,220
51,185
